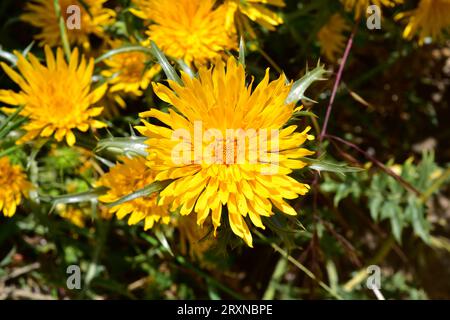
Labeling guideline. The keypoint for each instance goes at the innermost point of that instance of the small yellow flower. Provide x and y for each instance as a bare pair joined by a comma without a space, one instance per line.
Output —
74,215
360,6
129,73
193,30
13,185
56,97
41,14
125,178
239,11
331,37
430,19
193,240
244,184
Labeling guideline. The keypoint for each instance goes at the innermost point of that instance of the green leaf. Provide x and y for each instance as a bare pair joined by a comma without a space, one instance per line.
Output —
419,223
242,51
321,165
374,206
186,69
125,49
397,226
143,192
170,72
76,197
300,86
132,146
9,150
342,192
8,56
10,124
163,240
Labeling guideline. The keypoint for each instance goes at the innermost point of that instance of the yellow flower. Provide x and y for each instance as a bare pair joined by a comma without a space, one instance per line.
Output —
360,6
129,73
331,37
193,30
239,11
56,97
194,240
13,184
245,183
41,14
125,178
430,19
75,215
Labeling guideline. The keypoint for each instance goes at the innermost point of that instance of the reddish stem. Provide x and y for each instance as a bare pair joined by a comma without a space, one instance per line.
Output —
337,82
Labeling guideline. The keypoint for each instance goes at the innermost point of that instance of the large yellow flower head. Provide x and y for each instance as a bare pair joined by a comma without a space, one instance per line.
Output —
193,30
226,146
331,37
430,19
57,97
13,185
41,14
239,11
360,6
129,72
125,178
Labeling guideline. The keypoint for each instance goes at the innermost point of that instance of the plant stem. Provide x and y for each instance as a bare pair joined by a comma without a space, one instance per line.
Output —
299,265
402,181
337,82
62,29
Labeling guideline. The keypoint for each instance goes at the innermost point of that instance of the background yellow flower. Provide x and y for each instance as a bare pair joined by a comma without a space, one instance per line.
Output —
125,178
255,10
41,14
430,19
56,97
193,30
13,185
130,72
331,37
359,7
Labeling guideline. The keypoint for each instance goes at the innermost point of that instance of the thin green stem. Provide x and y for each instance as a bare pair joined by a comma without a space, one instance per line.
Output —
299,266
62,29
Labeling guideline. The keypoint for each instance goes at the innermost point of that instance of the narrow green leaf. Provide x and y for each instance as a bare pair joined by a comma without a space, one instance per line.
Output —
8,56
9,150
123,145
125,49
321,165
143,192
170,72
76,197
186,69
9,119
163,240
242,51
374,206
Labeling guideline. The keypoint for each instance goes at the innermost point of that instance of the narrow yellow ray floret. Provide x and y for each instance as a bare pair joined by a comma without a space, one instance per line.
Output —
56,96
216,172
